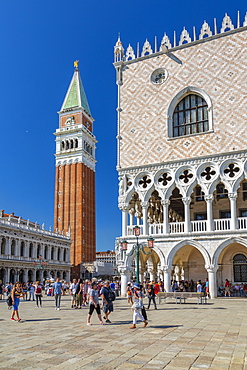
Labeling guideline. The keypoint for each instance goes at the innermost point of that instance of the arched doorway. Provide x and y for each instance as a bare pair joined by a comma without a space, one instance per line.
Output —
2,272
188,266
232,264
30,275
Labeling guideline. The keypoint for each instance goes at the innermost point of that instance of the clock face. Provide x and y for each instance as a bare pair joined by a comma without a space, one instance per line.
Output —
159,76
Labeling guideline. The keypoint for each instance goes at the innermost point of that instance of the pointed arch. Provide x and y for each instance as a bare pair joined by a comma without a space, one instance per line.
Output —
225,244
193,243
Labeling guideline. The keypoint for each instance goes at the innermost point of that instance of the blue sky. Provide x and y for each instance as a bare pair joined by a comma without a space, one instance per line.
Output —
39,40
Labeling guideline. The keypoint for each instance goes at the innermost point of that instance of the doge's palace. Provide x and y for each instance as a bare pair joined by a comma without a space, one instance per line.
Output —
182,158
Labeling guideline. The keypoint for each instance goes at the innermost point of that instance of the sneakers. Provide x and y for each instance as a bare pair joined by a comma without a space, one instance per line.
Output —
12,319
108,321
145,323
102,323
19,320
89,323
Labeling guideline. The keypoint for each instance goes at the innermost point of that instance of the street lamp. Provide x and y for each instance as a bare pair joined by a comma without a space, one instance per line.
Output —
136,249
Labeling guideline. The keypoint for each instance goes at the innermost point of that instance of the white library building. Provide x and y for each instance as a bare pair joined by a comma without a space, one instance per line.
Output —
182,155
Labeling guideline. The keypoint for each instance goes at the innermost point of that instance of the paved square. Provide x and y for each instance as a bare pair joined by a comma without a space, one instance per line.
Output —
186,336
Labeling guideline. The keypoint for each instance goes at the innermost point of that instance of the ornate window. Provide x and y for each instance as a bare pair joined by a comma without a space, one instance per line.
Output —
240,268
190,112
190,116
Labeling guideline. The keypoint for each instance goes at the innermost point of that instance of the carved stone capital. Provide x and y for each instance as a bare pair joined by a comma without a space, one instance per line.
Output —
123,207
211,268
144,205
186,200
232,195
209,198
165,202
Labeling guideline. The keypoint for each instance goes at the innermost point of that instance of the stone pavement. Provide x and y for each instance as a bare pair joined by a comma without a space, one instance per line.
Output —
186,336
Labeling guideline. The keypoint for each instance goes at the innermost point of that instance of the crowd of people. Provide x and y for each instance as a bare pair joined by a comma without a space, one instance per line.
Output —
88,294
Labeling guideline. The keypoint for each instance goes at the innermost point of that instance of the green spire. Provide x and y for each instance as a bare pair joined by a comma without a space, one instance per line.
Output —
76,97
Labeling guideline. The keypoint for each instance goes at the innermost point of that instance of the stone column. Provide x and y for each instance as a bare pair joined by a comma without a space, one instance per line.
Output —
131,219
187,225
165,203
8,245
209,198
233,198
124,220
211,269
17,247
6,275
145,216
125,278
25,275
167,278
151,273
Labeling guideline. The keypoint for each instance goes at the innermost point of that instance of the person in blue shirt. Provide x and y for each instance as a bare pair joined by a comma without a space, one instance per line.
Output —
57,291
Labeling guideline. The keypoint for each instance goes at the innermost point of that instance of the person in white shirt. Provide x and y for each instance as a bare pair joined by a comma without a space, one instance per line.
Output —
72,290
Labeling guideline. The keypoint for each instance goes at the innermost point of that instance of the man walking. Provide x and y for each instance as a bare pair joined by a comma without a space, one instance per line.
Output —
107,296
57,291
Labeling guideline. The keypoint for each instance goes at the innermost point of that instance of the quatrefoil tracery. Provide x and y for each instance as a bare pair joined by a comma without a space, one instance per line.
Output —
144,181
232,170
208,173
165,178
186,176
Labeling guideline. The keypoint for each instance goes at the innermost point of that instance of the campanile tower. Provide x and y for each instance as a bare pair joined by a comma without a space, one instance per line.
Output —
74,208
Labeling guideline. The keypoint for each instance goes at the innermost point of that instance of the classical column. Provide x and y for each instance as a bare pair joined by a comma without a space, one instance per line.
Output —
233,198
186,202
125,278
25,275
145,215
8,245
167,278
124,220
151,273
131,219
209,198
211,269
6,275
165,203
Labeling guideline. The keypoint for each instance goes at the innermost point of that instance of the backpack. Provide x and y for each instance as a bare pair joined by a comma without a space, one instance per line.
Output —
77,288
9,302
111,295
38,290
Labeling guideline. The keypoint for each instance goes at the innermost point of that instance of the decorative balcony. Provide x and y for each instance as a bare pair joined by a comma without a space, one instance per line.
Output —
219,225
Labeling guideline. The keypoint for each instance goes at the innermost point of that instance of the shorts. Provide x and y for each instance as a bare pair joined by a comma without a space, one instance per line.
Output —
16,303
92,308
108,307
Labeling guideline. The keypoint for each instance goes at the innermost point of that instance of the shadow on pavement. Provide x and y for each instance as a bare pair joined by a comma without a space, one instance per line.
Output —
55,318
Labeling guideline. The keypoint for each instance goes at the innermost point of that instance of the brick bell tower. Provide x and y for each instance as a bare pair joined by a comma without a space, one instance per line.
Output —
74,207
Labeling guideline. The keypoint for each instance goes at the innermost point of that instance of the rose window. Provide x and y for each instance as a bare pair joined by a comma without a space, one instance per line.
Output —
208,173
186,176
144,182
231,170
164,179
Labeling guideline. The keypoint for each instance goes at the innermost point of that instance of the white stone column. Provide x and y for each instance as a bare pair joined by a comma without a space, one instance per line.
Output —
125,278
124,220
165,203
151,273
209,198
167,278
8,245
211,269
233,198
145,216
131,219
6,275
187,225
25,275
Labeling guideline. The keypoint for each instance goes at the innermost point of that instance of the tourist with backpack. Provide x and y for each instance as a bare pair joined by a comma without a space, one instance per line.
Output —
38,294
108,297
94,303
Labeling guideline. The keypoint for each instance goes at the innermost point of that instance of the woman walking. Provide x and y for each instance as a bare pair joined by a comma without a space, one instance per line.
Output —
94,304
16,293
129,294
137,307
151,296
38,294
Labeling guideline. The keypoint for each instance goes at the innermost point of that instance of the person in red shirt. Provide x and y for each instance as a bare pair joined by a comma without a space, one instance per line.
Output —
227,288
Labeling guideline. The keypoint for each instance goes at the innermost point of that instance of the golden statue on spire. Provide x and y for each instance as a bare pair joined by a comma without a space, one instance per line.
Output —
76,64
